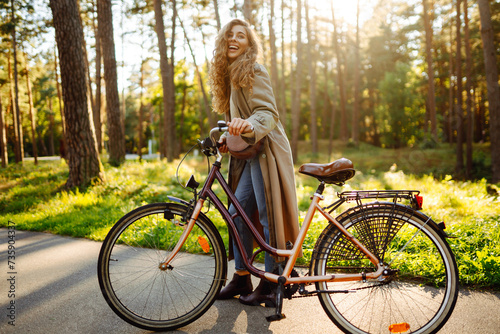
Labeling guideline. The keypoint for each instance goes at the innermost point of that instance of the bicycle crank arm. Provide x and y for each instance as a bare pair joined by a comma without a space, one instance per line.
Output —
280,292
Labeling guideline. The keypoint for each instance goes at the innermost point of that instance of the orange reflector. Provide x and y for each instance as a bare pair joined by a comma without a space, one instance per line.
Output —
399,328
204,244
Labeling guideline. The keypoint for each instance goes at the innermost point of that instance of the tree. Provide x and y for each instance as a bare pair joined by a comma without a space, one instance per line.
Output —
116,143
451,88
217,15
341,82
167,73
491,70
431,95
16,117
83,159
19,147
247,11
312,82
468,89
282,85
96,107
272,43
3,137
459,167
298,86
357,94
31,113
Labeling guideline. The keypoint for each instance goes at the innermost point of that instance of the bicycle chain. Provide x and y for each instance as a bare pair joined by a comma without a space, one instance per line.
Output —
314,294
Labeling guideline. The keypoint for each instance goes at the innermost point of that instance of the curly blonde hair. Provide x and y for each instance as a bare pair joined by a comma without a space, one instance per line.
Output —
240,73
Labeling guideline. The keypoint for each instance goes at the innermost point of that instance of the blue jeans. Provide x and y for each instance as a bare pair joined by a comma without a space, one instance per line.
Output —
250,193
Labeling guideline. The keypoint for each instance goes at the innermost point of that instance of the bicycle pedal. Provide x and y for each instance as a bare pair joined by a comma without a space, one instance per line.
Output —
275,317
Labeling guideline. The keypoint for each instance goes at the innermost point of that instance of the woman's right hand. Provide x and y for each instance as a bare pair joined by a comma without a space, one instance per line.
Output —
222,145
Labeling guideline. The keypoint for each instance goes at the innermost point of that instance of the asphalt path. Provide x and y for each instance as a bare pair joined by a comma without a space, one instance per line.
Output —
56,290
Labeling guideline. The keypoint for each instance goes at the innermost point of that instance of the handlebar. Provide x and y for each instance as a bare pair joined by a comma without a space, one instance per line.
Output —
221,127
209,145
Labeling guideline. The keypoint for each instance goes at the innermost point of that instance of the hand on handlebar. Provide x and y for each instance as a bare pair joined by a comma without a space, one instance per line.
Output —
222,145
238,126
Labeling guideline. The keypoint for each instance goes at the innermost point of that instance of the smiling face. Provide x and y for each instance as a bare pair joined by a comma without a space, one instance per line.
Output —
237,42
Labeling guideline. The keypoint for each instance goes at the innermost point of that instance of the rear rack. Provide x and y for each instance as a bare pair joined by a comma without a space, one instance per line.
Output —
396,195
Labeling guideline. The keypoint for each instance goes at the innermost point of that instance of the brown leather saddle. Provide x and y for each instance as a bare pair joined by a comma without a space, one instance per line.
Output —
336,172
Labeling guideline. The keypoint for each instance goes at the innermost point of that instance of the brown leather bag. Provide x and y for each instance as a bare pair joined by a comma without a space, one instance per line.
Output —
240,149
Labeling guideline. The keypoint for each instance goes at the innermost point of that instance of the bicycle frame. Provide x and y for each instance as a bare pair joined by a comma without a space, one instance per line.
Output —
291,254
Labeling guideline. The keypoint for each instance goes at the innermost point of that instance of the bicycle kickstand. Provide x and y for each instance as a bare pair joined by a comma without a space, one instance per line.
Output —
280,291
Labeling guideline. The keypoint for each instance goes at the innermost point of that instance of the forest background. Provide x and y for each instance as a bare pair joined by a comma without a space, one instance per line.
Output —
386,73
413,83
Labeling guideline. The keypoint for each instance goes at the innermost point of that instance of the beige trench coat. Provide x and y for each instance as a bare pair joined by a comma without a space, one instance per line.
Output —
259,108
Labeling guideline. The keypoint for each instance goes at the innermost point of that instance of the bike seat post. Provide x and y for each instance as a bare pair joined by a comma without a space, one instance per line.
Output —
321,188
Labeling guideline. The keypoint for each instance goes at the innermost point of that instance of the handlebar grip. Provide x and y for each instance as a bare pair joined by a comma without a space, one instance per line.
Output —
221,125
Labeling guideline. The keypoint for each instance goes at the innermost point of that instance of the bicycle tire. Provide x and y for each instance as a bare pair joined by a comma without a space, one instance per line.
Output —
419,295
140,292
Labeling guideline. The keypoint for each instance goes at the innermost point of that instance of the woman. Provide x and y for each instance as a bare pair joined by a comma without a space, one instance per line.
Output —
242,92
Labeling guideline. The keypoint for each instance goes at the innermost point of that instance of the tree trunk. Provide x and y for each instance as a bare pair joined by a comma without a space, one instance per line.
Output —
140,130
480,123
333,117
51,127
468,88
166,73
325,126
282,89
116,143
217,15
62,150
357,96
298,86
491,70
247,11
171,150
83,158
96,110
431,96
312,83
3,137
212,121
17,110
459,112
272,42
31,113
183,112
15,119
451,89
340,77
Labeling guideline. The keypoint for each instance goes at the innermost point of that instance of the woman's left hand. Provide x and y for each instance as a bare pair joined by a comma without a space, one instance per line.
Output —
237,126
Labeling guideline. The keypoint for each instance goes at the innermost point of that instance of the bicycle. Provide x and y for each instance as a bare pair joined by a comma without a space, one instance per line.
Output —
380,266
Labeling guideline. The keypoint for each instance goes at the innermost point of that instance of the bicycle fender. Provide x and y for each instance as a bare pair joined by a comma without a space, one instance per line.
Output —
177,200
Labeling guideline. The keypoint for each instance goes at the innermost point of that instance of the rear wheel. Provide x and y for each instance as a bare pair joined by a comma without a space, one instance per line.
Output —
418,293
143,294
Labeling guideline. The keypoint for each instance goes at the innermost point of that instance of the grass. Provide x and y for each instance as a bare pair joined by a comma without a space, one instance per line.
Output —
34,198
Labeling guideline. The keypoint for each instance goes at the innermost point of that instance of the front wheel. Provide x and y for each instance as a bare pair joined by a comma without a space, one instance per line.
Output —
135,286
419,291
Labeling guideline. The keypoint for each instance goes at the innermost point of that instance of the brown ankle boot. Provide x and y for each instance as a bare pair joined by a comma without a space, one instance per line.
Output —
265,293
239,285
